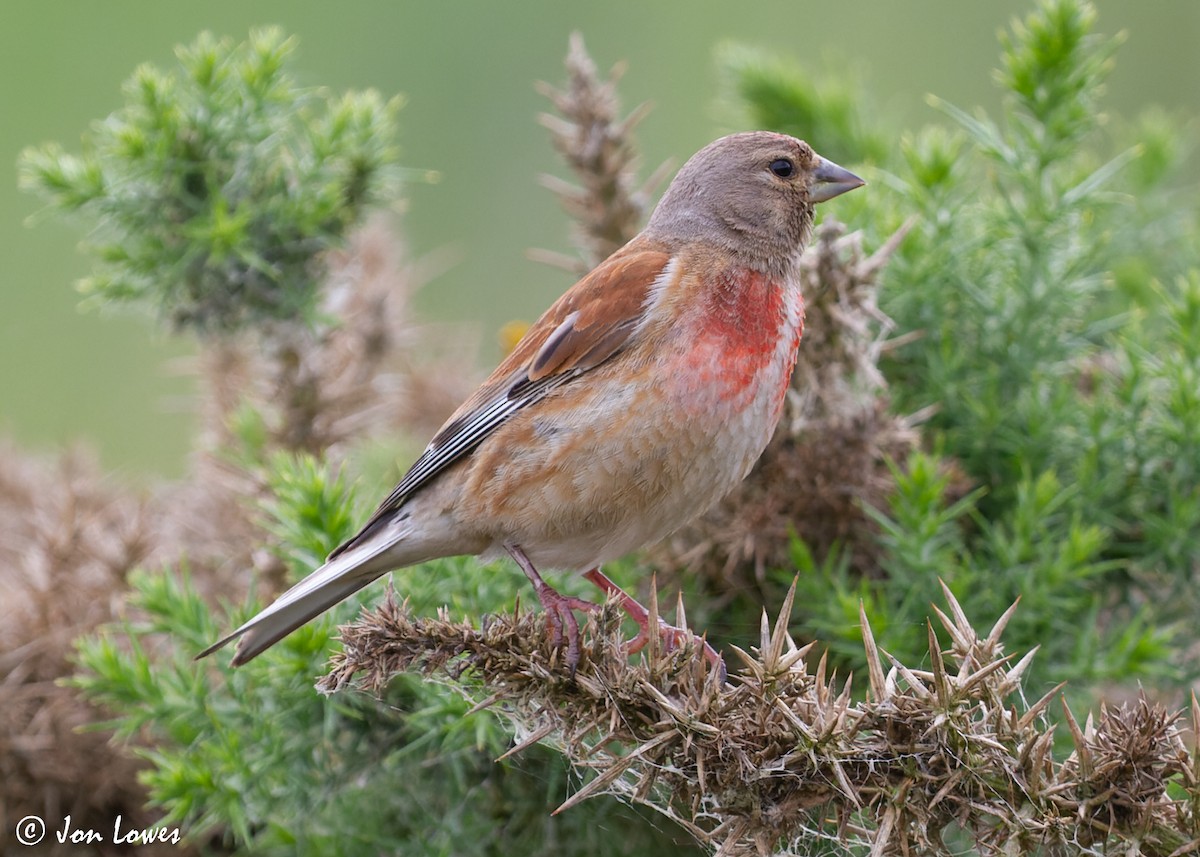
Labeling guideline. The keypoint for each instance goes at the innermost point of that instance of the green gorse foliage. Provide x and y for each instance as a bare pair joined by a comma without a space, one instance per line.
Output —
218,184
1051,277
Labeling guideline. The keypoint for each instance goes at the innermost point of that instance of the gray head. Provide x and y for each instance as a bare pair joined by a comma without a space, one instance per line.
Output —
753,194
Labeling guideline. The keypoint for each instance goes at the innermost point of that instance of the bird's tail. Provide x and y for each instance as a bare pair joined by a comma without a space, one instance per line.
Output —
339,578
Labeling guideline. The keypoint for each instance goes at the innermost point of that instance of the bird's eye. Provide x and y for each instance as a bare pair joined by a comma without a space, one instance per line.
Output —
782,167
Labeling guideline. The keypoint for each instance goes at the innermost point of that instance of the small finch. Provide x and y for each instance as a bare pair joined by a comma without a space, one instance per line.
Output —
636,402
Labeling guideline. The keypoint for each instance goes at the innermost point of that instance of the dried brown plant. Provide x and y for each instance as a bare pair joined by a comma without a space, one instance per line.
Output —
782,759
829,456
69,537
610,205
366,368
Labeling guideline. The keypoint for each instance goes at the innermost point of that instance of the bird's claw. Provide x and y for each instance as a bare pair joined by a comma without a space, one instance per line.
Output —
559,613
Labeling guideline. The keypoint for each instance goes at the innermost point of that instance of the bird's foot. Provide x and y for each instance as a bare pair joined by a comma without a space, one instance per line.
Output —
672,637
560,615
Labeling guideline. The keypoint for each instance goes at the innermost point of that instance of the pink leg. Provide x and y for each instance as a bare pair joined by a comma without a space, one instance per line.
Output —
558,607
671,636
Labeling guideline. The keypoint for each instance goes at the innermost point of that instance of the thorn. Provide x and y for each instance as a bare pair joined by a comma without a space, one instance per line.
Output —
553,259
785,611
652,624
485,704
941,681
795,721
749,659
914,683
844,784
819,680
619,767
883,834
1039,754
556,124
874,665
624,126
670,707
532,739
876,260
1034,710
1013,679
1081,747
993,637
960,618
657,177
960,642
1196,733
779,637
966,683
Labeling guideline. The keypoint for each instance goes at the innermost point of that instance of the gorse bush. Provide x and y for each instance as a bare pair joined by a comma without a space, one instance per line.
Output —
1046,290
219,183
1048,296
260,761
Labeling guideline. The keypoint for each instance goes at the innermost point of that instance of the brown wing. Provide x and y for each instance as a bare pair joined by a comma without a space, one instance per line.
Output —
590,323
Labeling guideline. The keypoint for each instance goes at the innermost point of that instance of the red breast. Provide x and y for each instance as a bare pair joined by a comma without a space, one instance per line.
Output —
742,332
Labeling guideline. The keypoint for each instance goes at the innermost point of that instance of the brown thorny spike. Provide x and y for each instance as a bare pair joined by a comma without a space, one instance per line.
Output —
779,757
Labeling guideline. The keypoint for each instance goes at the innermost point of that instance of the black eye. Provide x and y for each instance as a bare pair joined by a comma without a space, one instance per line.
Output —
782,167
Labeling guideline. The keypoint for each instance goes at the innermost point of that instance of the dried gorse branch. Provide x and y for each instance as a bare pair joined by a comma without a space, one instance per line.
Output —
67,538
610,205
782,759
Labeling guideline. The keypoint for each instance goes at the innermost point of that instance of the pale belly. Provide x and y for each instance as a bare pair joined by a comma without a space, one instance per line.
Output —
626,464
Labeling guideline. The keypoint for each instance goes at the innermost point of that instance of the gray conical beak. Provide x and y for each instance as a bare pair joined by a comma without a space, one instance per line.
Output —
830,180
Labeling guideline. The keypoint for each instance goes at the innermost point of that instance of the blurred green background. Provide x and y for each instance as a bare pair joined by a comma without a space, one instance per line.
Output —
466,71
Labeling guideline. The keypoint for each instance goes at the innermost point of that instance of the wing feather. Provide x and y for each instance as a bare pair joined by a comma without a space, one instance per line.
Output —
590,323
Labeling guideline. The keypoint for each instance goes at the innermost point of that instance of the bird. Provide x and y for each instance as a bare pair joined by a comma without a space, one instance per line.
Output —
640,398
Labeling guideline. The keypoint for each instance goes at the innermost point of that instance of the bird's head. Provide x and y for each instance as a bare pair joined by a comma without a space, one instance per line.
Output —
752,193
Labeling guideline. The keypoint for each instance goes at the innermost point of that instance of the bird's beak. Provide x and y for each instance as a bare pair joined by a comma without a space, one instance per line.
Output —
830,180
